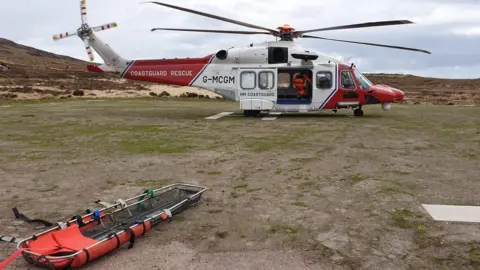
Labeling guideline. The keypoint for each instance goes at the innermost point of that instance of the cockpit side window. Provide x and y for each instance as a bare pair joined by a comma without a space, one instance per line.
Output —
324,80
364,82
347,81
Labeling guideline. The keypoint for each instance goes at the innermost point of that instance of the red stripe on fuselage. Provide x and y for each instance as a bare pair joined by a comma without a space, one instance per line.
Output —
167,71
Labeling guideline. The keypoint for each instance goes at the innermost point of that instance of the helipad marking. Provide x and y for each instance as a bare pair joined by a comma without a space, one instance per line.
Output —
219,115
459,213
271,118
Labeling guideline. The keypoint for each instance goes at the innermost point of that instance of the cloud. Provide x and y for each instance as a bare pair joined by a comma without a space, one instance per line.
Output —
447,28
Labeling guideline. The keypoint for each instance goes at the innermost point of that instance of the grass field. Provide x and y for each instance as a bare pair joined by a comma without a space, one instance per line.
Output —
340,192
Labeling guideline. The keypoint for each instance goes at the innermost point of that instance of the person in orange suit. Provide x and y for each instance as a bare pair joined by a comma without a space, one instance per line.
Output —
300,84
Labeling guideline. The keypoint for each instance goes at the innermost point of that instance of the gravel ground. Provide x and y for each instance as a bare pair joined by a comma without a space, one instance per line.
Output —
316,191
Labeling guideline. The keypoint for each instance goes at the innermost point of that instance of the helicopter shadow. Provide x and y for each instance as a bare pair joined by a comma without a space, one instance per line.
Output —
297,115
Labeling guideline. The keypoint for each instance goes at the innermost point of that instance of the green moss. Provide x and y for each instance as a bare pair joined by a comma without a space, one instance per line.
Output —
241,186
357,178
405,219
48,188
282,228
301,204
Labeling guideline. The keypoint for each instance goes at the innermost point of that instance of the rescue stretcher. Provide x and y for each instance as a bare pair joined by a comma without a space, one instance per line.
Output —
85,238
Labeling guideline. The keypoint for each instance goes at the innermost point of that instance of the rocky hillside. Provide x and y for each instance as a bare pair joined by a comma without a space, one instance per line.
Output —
27,73
432,90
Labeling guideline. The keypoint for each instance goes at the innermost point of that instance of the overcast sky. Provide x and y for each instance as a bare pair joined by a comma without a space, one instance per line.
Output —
450,29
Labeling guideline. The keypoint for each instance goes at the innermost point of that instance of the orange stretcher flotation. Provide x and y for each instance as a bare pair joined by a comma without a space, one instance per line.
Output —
85,238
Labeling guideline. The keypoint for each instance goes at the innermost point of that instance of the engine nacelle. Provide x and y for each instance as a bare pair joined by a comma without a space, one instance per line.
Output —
222,54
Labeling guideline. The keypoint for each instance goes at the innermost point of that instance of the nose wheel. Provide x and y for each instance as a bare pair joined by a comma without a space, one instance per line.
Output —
358,112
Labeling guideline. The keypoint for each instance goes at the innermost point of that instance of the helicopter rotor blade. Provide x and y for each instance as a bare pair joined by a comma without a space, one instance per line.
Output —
212,31
371,44
215,17
359,25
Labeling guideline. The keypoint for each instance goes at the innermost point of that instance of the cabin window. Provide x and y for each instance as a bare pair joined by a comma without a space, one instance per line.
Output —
324,80
347,80
283,80
248,80
265,80
277,55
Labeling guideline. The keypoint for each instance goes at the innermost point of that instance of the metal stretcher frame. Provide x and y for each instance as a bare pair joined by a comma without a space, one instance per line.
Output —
199,190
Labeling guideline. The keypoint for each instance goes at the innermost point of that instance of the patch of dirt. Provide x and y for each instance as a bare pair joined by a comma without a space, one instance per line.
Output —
348,196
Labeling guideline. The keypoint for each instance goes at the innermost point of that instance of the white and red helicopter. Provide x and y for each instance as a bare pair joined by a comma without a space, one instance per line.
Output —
262,76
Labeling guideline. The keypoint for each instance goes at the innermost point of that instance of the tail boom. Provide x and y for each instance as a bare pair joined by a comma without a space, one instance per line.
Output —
108,55
100,68
182,72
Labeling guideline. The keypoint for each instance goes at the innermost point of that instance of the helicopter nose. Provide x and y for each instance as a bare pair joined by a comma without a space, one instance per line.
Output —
399,94
385,93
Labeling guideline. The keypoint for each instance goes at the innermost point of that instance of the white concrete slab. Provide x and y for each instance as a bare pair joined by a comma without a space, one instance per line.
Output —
219,115
272,116
459,213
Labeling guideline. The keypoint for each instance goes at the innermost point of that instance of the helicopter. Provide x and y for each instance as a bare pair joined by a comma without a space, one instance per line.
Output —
272,76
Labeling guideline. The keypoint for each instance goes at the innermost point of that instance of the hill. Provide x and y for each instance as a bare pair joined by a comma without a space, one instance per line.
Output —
433,90
29,73
26,73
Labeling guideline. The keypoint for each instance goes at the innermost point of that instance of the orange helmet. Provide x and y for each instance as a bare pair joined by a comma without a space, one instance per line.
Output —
299,79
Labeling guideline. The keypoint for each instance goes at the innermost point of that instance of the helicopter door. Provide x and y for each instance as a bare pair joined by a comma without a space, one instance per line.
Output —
257,88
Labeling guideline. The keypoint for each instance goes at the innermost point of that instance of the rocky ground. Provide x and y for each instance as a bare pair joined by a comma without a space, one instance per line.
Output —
306,191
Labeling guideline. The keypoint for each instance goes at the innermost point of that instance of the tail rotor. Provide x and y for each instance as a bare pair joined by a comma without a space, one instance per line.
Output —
85,32
64,35
83,11
88,49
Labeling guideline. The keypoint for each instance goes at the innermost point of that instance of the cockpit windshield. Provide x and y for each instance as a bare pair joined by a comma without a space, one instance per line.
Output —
362,80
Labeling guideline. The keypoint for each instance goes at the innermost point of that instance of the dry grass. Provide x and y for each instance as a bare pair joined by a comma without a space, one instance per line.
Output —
344,189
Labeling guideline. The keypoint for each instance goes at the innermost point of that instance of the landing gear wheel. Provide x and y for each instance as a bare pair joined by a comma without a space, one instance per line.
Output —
251,113
358,112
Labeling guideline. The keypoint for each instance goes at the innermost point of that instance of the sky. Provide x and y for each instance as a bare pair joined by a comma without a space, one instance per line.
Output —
450,29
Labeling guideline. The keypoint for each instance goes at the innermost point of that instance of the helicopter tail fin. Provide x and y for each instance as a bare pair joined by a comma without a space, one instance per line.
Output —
113,61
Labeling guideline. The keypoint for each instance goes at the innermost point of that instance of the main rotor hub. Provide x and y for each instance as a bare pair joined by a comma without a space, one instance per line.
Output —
286,33
285,28
84,30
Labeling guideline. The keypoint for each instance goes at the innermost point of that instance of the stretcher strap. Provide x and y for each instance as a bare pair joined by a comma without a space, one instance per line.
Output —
87,255
50,265
116,236
132,238
21,216
10,259
9,239
79,220
106,204
144,228
121,202
17,253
